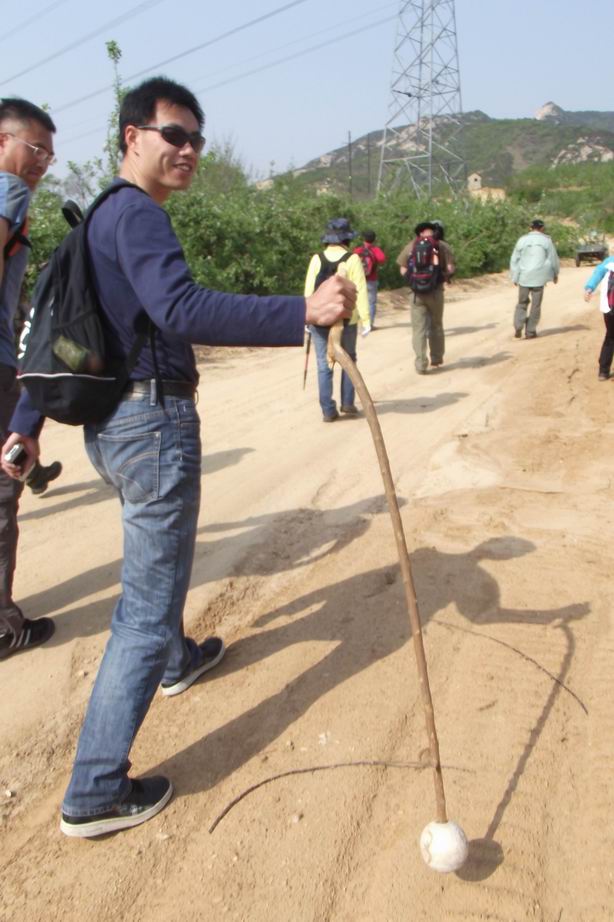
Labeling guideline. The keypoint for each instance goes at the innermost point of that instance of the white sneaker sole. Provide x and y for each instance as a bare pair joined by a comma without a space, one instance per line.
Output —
170,690
100,827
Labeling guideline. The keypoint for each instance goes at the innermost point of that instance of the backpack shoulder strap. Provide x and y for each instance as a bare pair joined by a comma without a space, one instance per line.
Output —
18,237
110,190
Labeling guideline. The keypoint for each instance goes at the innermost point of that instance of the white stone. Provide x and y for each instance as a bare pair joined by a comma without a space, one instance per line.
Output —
444,846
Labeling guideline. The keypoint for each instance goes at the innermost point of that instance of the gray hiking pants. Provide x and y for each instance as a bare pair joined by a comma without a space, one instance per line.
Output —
11,618
427,325
520,314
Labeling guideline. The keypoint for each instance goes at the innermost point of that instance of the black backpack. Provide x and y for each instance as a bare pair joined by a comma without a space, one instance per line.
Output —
423,269
64,365
328,267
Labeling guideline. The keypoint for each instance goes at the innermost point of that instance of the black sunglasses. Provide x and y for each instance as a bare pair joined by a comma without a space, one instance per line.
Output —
177,136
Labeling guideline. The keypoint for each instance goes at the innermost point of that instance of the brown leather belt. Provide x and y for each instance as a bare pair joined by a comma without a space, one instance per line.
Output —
183,389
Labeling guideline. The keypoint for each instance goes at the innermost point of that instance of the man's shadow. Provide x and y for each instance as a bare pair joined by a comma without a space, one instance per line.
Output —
366,618
259,545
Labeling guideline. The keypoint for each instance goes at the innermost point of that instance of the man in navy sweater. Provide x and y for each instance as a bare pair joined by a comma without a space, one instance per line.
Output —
150,450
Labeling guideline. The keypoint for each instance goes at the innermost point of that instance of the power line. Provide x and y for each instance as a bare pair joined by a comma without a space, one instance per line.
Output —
328,29
257,57
211,41
298,54
34,18
134,11
292,57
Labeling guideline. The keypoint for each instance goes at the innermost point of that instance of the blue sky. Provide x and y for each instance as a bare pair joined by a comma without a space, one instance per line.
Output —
514,56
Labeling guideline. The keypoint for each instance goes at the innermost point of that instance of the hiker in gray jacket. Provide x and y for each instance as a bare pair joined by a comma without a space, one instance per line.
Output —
534,262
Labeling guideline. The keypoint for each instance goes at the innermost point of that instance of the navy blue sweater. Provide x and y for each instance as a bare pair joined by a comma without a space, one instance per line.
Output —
139,265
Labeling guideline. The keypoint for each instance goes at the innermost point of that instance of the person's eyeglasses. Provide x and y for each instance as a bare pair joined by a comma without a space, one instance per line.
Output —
177,136
41,153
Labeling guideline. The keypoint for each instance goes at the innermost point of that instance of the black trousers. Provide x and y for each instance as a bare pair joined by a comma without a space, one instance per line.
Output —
11,618
607,349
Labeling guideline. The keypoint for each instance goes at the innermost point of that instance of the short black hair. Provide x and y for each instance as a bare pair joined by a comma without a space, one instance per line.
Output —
139,105
369,236
24,111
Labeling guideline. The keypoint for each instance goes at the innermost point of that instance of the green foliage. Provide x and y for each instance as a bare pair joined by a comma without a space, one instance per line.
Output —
582,191
239,238
47,228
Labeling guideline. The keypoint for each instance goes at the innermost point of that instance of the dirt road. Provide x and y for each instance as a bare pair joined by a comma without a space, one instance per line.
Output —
503,466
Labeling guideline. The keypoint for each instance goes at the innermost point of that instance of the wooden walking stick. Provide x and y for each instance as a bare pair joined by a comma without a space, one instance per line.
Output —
307,348
442,843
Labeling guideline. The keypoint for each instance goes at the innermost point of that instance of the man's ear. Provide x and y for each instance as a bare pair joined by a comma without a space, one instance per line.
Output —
131,134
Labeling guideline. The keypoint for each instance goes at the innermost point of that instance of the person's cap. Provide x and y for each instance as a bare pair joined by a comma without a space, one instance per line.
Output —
369,236
424,225
338,231
537,224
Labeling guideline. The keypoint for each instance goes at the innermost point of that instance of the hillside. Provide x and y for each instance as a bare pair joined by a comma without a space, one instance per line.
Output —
495,148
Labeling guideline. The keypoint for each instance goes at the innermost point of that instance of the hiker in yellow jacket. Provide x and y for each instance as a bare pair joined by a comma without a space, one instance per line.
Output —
337,237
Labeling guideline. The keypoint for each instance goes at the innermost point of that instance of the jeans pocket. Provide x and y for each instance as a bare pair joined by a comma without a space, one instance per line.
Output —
133,463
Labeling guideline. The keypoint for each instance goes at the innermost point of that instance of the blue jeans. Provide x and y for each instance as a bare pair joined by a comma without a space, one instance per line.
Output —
372,295
325,374
152,456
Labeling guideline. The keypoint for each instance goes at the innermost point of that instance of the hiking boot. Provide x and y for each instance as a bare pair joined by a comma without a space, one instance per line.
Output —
32,634
518,333
604,375
330,418
213,650
350,410
436,364
146,797
530,334
41,476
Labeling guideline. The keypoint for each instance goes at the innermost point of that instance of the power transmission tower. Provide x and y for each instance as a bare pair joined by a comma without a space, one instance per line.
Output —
421,147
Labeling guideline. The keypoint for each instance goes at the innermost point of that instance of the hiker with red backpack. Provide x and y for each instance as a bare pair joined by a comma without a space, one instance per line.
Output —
337,238
603,275
426,263
372,258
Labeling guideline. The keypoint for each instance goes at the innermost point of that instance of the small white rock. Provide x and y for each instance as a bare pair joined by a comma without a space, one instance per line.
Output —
9,793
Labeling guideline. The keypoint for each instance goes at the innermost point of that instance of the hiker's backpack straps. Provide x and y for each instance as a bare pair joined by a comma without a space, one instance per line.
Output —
423,269
65,366
144,330
328,267
16,240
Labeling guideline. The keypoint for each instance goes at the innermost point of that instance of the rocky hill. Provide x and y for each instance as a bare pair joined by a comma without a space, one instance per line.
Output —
495,148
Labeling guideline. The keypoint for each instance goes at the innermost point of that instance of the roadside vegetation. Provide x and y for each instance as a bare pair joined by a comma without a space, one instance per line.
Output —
581,191
240,238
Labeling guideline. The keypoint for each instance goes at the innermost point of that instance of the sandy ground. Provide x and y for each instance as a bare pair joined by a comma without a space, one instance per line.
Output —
503,466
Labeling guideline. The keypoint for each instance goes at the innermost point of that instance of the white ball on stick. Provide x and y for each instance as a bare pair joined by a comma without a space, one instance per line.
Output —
444,846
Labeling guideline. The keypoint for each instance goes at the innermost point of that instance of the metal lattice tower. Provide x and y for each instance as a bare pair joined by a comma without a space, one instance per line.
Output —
421,147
